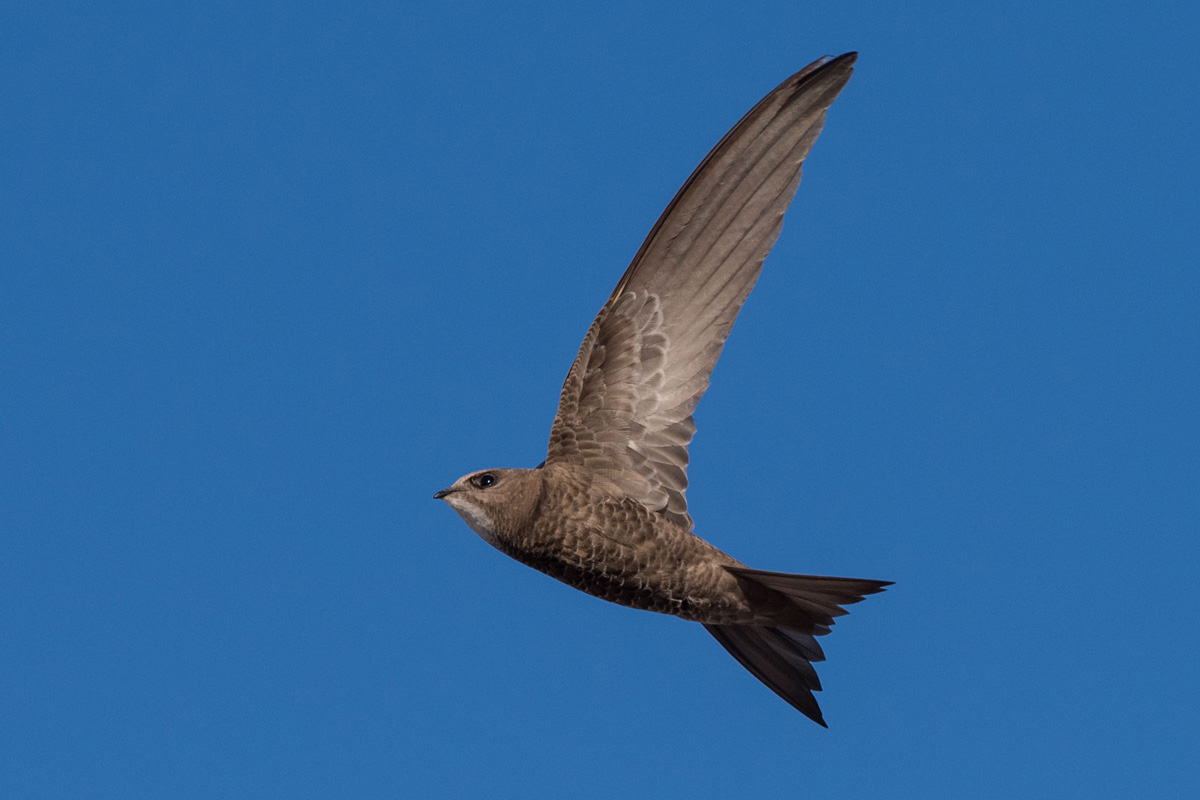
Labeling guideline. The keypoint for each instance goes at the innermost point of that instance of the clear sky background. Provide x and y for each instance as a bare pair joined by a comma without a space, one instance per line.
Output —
273,273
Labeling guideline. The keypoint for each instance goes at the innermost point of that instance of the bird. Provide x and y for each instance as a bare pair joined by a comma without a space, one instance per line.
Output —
606,512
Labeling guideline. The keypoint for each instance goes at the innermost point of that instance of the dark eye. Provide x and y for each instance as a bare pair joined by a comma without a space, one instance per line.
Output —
485,480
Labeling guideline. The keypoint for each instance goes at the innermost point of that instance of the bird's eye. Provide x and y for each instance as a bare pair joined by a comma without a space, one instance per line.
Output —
485,480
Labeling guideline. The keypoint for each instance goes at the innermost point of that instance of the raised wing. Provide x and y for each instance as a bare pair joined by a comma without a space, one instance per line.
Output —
626,406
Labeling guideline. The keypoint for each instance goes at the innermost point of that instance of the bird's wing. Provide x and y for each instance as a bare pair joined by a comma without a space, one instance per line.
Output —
626,405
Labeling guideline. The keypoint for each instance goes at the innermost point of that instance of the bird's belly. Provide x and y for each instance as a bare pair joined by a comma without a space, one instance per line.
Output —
645,586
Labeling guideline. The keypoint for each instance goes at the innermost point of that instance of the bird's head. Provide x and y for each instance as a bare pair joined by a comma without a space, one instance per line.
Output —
495,502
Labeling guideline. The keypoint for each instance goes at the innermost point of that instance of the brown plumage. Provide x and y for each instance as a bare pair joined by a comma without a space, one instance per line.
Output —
606,512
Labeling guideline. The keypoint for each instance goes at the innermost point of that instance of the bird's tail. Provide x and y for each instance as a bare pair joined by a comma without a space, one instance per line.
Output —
796,609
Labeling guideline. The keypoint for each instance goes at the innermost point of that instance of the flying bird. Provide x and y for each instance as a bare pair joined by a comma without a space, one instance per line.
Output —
605,512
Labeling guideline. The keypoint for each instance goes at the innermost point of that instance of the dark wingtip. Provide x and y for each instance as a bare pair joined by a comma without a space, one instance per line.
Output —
844,60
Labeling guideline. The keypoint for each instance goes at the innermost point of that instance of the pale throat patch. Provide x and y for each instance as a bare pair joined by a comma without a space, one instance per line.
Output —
474,516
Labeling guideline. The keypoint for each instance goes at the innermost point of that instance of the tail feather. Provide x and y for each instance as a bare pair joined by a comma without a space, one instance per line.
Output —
806,603
776,658
797,608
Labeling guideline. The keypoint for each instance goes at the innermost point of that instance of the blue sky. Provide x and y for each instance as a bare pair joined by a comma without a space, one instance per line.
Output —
275,273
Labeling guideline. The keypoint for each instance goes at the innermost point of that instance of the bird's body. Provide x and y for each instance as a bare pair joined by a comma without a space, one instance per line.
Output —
606,511
581,529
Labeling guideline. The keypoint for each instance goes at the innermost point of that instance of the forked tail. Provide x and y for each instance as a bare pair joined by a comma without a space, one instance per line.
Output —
796,609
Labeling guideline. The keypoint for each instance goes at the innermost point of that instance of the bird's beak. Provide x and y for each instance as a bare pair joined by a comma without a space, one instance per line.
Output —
442,494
